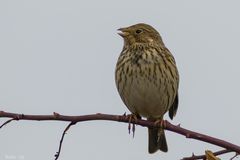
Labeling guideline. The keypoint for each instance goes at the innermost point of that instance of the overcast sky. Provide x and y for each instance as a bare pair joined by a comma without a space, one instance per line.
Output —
60,56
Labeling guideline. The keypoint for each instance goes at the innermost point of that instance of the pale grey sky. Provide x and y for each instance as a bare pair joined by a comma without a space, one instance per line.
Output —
60,56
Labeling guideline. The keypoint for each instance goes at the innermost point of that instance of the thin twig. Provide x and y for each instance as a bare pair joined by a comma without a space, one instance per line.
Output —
8,121
61,141
234,156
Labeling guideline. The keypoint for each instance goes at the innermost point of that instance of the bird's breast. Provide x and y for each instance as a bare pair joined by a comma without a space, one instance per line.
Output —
146,84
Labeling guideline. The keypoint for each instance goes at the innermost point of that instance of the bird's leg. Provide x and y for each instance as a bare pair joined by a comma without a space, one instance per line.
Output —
161,122
132,118
156,123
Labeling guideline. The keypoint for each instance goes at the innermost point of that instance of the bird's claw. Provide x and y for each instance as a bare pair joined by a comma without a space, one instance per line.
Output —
160,122
132,118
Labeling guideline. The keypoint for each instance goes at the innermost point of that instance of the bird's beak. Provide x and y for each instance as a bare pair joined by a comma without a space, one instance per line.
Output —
123,32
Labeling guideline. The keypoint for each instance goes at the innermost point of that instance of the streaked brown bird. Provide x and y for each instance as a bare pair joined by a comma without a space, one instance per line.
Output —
147,79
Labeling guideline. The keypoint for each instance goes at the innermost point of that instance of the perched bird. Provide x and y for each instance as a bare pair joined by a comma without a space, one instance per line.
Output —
147,79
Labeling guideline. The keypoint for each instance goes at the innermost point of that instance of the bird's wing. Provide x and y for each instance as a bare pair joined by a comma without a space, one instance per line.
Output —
173,109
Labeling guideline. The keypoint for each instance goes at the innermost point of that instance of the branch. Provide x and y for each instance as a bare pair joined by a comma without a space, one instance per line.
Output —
126,119
194,157
61,141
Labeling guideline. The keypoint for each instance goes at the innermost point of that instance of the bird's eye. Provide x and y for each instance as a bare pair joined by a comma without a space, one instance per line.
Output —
138,31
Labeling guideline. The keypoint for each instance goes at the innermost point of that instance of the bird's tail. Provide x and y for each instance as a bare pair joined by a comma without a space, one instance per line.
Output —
156,140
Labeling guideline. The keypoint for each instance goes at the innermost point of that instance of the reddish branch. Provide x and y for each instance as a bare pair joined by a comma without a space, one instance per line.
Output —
195,157
165,124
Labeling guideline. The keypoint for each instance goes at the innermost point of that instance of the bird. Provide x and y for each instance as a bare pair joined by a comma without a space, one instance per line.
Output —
147,79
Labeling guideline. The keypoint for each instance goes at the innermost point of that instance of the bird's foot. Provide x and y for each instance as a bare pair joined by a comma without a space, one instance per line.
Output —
161,122
131,126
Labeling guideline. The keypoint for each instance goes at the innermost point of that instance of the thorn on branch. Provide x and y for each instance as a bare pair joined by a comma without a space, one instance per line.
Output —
195,157
56,115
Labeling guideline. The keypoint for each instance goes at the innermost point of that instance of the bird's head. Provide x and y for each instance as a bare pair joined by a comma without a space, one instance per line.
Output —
139,34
